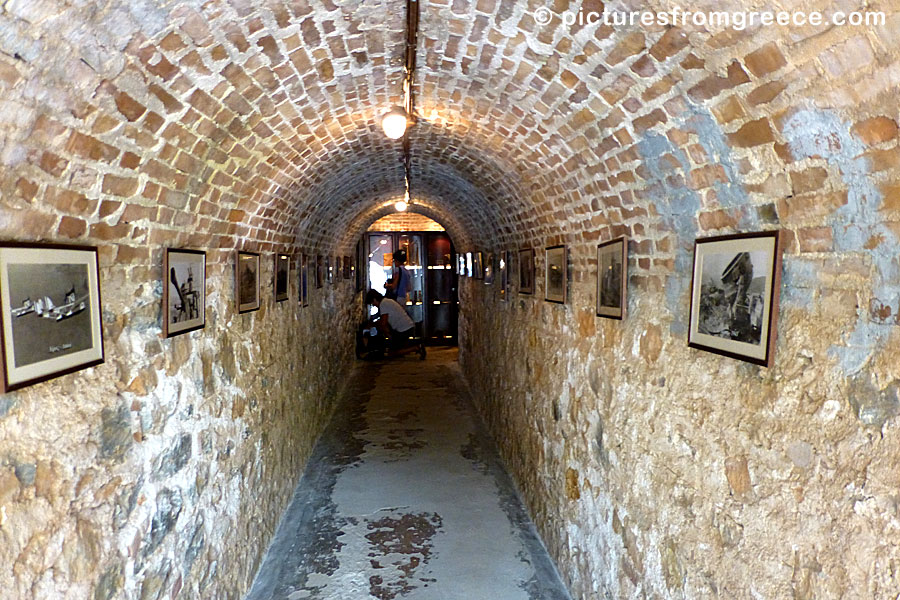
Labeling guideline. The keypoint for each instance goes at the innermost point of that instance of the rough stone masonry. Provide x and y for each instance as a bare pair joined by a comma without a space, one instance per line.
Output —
651,470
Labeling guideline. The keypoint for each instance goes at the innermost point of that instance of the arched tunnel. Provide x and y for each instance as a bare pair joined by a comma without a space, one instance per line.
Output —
141,466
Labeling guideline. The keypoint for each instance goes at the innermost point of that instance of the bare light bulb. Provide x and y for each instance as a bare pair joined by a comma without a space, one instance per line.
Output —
401,205
394,123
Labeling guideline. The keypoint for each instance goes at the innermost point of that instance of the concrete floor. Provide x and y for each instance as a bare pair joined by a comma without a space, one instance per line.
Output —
405,497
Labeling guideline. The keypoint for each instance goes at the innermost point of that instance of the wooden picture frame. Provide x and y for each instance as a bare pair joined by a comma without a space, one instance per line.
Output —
556,274
489,269
735,292
50,312
612,278
526,271
503,268
478,265
246,281
281,277
184,291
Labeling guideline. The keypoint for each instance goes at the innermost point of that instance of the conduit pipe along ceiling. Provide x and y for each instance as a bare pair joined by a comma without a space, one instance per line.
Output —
396,121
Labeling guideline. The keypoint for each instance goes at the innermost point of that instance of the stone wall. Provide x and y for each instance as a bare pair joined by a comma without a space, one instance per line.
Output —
167,468
655,470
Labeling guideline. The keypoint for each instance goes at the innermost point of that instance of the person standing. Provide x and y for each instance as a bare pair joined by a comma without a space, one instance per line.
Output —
398,287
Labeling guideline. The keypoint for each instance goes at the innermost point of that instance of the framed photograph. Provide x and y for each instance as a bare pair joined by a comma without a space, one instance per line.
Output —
348,268
246,281
282,273
503,268
338,268
461,264
329,270
320,271
50,312
555,274
478,265
489,269
184,291
526,271
469,272
360,267
612,278
303,280
734,295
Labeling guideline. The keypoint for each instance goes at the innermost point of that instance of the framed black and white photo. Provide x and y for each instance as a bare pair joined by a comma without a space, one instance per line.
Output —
555,274
612,278
526,271
329,270
282,273
478,265
184,291
246,281
303,280
489,269
50,312
503,268
735,291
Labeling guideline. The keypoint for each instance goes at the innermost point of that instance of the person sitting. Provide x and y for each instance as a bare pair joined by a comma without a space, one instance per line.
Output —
395,325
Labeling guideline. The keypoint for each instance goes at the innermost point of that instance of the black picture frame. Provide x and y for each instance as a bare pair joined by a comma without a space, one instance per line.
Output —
556,274
735,294
281,277
526,271
50,312
184,291
612,278
247,290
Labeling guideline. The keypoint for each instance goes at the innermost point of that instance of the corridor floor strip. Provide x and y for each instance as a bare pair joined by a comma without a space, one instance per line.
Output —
405,497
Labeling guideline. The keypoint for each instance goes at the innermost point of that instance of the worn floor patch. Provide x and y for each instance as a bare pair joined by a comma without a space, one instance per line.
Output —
405,497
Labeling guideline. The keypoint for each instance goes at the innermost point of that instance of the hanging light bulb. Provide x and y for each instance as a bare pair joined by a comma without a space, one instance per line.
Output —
401,205
394,123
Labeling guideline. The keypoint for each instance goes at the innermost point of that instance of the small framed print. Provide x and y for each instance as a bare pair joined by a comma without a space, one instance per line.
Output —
282,273
338,268
555,274
184,291
320,271
329,270
247,281
489,269
348,268
612,278
303,280
478,265
503,269
50,312
461,265
469,265
735,292
526,271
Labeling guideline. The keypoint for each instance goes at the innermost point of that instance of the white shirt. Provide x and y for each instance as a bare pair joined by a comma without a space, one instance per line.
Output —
397,317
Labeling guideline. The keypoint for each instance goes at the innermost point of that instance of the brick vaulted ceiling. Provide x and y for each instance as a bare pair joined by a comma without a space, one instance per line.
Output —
210,122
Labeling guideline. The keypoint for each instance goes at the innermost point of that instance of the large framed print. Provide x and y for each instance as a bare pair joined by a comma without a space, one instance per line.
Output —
184,291
612,278
478,265
555,274
246,281
735,292
303,280
489,269
503,268
526,271
282,273
50,312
